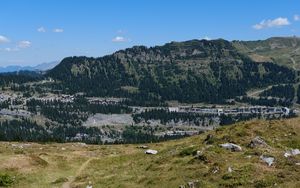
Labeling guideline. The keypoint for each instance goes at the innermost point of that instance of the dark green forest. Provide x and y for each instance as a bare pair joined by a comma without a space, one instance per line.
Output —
174,71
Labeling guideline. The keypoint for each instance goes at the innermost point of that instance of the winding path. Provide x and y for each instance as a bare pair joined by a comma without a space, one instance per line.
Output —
259,91
294,63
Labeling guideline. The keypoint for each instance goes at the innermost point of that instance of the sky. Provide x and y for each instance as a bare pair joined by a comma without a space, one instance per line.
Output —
39,31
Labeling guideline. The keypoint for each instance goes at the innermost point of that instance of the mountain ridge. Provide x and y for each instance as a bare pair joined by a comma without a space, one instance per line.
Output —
193,71
39,67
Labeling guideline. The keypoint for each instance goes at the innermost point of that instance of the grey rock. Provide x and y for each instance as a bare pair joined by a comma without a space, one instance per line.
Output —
292,152
268,160
151,151
231,146
257,141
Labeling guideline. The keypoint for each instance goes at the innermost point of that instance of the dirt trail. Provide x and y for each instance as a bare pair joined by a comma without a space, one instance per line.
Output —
78,172
294,63
257,92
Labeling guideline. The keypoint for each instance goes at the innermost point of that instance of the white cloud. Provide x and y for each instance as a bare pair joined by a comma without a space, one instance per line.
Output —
41,30
119,39
24,44
296,17
11,49
278,22
58,30
3,39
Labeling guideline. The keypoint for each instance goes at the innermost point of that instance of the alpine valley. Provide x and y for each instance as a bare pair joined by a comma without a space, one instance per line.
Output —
238,100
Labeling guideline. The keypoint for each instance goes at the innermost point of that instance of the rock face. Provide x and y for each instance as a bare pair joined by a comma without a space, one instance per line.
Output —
231,146
256,142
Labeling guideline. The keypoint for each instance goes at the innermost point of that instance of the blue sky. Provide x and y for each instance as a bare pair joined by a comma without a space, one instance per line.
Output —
37,31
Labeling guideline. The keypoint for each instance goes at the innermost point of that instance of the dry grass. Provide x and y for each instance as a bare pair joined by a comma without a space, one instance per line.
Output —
52,165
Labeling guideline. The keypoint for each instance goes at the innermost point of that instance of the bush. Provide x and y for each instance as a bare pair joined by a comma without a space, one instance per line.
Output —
188,151
6,180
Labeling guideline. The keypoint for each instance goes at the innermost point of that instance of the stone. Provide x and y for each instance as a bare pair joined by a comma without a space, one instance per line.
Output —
257,141
292,152
143,147
151,151
231,146
268,160
191,184
215,169
199,152
89,185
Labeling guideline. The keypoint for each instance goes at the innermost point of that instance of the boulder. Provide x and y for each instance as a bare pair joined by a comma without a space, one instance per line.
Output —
231,146
257,141
268,160
89,185
151,151
143,147
292,152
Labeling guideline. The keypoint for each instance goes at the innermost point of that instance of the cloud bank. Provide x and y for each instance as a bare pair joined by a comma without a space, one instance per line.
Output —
277,22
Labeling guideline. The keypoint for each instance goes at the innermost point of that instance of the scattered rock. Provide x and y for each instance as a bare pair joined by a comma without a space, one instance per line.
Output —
298,164
229,169
151,151
143,147
215,169
89,185
63,148
231,146
292,152
268,160
191,184
257,141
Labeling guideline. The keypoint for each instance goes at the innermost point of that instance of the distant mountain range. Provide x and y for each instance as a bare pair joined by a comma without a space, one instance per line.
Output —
39,67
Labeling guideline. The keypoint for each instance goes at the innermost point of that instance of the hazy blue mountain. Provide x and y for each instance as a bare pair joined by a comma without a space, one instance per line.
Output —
39,67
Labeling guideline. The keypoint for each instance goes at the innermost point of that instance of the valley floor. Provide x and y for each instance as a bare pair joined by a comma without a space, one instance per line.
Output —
197,160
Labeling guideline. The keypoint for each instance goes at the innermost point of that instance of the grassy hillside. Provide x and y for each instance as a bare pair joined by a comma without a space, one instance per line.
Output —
74,165
281,50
